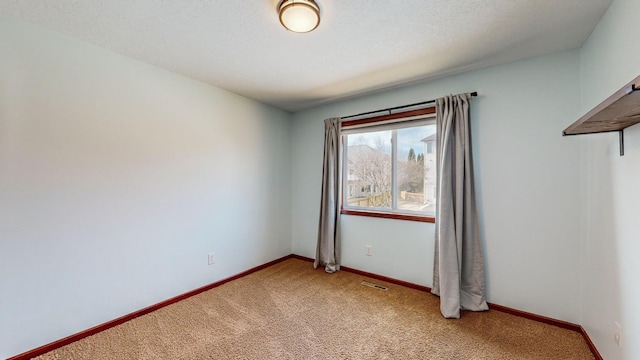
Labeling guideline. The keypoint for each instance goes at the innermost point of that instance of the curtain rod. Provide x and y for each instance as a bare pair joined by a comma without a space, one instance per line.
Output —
397,107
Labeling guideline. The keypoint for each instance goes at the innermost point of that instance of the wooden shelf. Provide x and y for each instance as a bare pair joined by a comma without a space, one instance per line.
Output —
616,113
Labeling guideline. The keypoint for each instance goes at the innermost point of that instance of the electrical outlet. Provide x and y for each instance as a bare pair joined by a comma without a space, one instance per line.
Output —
368,253
617,335
211,258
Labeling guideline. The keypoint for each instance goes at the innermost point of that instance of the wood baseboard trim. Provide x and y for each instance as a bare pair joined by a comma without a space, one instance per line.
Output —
590,343
109,324
102,327
496,307
551,321
535,317
304,258
372,275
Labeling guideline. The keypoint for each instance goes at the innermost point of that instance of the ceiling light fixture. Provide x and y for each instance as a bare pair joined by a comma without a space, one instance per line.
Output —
299,15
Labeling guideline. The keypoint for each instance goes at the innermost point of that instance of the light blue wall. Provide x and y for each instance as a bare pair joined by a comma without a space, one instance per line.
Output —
116,180
611,191
527,176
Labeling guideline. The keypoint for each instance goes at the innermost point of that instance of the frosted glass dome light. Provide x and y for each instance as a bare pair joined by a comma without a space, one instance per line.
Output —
299,15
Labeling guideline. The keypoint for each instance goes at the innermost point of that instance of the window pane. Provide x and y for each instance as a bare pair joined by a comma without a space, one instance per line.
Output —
369,167
417,168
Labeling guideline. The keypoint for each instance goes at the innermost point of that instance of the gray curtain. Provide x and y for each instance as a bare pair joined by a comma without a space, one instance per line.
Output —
328,249
458,273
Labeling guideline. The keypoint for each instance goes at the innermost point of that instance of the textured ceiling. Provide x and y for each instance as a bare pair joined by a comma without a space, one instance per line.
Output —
360,46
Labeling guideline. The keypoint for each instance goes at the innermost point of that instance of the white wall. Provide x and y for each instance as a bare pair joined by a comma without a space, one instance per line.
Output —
116,180
527,177
611,237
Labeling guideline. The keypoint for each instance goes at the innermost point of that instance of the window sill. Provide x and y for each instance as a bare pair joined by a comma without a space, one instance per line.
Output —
420,218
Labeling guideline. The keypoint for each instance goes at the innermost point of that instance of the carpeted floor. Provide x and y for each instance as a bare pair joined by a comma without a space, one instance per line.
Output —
290,311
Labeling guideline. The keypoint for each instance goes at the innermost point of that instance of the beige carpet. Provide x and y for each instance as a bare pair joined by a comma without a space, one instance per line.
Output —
290,311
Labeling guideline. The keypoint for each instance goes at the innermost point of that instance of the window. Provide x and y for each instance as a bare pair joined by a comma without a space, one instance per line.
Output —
389,166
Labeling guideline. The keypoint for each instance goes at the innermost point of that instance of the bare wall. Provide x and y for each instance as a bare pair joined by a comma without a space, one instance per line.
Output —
116,180
611,195
527,177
